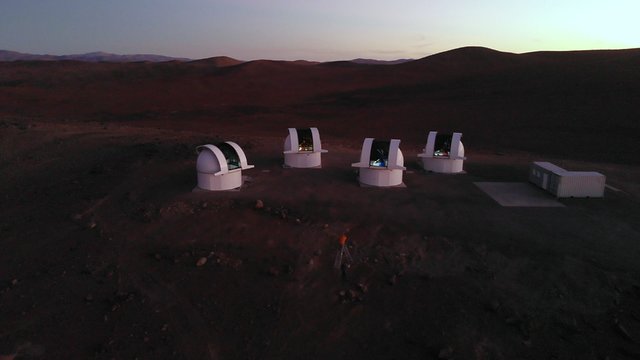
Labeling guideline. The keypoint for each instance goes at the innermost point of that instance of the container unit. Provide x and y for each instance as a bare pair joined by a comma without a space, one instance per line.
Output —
563,183
302,148
444,153
220,166
381,163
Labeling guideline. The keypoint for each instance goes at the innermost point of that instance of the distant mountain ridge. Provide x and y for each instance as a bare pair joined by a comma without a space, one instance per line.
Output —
379,62
98,56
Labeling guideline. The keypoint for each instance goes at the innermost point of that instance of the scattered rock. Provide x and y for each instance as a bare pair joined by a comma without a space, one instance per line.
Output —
325,226
92,224
14,282
349,296
76,217
317,252
393,280
363,287
298,221
165,327
259,204
201,261
88,298
445,353
157,256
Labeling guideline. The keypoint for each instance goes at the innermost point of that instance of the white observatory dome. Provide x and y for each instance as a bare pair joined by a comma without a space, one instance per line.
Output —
381,163
444,153
220,166
302,148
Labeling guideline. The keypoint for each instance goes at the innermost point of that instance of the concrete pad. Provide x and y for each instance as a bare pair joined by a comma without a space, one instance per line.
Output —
518,194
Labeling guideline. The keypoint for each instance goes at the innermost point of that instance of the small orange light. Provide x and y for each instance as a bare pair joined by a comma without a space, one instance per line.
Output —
343,239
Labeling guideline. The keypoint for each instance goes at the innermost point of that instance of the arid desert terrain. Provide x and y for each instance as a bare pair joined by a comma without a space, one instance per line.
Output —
107,253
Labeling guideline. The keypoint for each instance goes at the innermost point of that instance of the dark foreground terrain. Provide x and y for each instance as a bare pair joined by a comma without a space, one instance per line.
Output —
107,253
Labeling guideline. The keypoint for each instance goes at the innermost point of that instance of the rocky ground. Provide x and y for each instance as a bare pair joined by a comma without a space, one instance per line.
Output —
108,253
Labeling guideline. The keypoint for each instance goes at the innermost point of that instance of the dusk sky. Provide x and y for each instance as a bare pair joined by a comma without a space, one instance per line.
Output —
314,30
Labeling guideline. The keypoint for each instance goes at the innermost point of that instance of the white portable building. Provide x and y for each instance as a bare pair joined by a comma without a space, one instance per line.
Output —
563,183
220,166
302,148
444,153
381,163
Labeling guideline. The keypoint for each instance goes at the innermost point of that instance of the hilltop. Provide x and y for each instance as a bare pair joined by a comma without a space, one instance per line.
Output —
566,102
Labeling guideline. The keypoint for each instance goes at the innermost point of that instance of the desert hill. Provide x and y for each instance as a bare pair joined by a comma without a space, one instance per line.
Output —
218,61
565,102
107,252
379,62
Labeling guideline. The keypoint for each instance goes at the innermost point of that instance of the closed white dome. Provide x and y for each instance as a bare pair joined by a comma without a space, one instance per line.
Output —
207,161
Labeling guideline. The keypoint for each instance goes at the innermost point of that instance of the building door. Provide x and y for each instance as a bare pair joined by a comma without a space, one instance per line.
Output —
545,181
